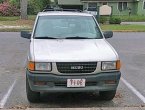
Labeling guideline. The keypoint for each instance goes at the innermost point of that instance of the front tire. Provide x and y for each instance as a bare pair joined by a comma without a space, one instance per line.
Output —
107,95
31,95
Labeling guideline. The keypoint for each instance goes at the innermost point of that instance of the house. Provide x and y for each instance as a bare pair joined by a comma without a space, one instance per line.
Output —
70,4
119,7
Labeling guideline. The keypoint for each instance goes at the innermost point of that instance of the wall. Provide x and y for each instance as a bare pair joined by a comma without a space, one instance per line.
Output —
123,12
141,11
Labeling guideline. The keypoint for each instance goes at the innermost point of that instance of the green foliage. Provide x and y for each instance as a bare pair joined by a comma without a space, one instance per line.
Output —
14,18
124,28
15,3
133,18
103,19
35,6
1,1
45,3
114,20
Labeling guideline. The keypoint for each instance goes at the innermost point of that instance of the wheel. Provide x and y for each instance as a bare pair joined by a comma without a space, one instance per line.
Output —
31,95
107,95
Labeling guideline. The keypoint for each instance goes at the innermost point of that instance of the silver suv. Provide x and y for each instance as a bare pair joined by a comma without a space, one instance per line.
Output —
69,53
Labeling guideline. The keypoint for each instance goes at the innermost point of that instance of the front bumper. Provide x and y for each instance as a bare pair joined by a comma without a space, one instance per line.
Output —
58,83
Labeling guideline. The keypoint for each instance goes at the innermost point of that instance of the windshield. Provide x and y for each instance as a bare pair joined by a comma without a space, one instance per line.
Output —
65,27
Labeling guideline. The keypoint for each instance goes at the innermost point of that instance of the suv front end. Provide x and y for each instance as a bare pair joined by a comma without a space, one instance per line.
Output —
67,57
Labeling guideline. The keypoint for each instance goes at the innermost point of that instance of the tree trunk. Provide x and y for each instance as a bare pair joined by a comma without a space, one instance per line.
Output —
24,4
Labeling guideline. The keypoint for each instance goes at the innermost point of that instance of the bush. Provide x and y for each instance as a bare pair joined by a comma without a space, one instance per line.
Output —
35,6
6,9
114,20
15,3
103,19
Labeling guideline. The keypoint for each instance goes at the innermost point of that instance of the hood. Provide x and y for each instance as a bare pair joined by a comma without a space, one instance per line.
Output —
72,50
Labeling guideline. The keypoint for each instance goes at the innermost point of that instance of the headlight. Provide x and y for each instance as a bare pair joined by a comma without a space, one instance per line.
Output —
39,66
43,66
111,65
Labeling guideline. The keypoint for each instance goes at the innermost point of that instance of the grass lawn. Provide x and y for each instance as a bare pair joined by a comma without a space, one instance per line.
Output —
14,18
28,24
124,28
132,18
15,24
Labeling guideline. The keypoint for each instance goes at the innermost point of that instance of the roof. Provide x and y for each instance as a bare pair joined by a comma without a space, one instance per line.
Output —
63,13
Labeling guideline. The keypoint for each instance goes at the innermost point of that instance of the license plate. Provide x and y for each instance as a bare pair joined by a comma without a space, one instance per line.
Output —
76,82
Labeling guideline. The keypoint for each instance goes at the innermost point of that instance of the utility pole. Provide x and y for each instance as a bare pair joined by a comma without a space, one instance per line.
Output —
23,10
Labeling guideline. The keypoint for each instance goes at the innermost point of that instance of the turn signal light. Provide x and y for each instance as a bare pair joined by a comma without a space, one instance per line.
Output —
118,65
31,66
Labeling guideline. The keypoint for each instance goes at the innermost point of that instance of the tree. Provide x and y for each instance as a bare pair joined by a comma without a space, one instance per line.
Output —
23,9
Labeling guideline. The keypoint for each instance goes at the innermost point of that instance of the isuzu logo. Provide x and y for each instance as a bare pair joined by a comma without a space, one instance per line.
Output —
77,67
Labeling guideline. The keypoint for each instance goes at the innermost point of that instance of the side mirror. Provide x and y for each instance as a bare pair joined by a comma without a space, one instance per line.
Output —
26,34
108,34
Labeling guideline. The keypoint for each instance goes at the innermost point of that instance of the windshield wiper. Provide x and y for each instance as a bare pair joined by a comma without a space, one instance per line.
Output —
45,37
77,37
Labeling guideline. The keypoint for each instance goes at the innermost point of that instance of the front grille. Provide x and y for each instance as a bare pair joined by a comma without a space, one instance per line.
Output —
76,67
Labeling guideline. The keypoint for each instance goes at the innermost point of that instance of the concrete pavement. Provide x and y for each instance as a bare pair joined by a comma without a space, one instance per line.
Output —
114,108
10,27
122,108
135,23
131,49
